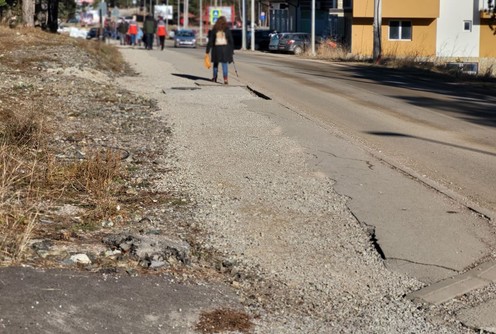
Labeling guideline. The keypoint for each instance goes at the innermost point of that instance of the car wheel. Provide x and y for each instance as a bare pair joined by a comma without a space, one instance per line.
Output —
298,50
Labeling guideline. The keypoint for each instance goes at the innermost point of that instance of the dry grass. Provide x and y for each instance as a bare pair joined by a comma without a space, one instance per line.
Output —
222,320
43,47
110,58
18,197
333,52
21,128
32,177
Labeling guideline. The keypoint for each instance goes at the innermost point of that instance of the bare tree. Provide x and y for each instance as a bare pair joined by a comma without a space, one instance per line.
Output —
28,13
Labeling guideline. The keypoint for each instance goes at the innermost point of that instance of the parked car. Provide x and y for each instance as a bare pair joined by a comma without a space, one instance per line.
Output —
93,33
293,42
73,20
185,38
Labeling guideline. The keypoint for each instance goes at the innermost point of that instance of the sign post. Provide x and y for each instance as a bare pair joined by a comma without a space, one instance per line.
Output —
103,15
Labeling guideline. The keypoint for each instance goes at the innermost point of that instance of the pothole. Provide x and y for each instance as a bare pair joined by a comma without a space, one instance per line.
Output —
259,94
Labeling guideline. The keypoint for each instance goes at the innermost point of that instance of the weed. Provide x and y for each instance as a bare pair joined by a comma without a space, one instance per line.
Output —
18,211
224,320
109,57
329,50
21,128
97,172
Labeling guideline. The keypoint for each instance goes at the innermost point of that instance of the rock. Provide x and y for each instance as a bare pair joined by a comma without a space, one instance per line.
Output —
107,223
80,258
157,264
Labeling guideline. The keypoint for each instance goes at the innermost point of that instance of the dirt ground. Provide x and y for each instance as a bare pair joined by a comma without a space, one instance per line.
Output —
78,189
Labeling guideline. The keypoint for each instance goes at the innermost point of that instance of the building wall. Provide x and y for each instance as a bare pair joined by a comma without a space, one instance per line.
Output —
452,39
398,8
422,44
362,36
487,40
423,41
422,14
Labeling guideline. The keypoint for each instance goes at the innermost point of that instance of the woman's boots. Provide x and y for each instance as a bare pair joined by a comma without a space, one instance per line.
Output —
214,79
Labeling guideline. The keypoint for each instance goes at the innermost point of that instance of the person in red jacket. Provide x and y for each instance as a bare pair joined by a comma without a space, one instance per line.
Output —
133,30
161,32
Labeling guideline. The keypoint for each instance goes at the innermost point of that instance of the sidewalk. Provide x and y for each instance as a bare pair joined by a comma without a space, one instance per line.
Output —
65,301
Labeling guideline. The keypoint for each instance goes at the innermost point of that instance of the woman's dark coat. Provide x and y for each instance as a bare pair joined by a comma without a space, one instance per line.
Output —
220,53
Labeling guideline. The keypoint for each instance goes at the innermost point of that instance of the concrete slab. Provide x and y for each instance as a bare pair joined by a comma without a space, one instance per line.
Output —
448,289
423,272
482,317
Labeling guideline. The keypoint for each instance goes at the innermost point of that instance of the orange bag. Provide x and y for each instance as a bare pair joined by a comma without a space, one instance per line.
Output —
206,61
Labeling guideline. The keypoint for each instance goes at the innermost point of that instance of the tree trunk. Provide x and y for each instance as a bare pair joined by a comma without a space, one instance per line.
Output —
28,13
53,10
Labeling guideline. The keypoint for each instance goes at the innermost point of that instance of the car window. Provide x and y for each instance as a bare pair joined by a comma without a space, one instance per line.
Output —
185,34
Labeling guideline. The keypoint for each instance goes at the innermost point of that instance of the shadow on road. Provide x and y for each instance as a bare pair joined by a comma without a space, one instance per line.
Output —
395,134
191,77
470,99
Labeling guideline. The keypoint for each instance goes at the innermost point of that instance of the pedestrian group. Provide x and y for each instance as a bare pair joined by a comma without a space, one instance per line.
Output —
130,33
220,44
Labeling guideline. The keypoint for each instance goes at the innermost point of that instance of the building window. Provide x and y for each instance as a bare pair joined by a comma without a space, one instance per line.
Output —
400,30
467,26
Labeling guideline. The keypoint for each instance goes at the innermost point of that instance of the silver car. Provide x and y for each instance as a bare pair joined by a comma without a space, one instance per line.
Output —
185,38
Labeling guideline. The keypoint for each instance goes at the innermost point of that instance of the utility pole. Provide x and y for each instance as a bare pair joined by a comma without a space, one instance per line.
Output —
313,28
201,22
243,31
377,52
186,14
252,46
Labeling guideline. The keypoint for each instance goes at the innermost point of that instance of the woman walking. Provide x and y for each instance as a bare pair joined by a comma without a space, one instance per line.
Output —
220,42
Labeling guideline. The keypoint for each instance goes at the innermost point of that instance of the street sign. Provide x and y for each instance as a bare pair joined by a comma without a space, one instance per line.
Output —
215,12
214,15
164,11
103,8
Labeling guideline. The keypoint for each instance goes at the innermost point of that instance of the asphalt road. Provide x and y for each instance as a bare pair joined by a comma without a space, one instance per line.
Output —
439,131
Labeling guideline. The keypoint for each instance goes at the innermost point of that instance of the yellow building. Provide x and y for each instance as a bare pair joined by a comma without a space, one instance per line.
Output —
408,27
424,28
